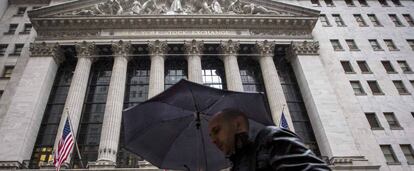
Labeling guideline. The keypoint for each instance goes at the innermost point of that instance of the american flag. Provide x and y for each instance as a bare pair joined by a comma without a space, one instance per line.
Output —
64,147
283,122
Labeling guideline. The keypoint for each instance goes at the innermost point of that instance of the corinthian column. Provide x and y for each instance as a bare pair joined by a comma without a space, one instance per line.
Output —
274,90
193,50
77,90
231,66
111,128
21,122
157,51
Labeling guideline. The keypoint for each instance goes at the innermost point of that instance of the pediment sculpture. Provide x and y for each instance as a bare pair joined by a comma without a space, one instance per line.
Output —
172,7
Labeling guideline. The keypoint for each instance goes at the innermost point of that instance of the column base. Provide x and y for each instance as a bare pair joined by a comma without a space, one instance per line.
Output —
352,163
146,165
98,165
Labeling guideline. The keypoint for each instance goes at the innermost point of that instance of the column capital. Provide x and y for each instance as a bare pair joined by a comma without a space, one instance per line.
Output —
85,49
305,48
47,50
230,47
265,48
193,47
157,47
121,49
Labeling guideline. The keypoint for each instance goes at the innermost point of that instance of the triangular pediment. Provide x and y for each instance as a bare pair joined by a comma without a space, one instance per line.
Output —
85,8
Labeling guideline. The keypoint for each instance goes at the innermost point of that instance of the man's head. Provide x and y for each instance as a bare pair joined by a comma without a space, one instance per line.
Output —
223,127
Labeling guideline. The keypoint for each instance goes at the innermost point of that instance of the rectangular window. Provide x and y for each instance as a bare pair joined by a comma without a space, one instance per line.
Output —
396,2
316,2
338,20
404,66
392,120
346,65
388,67
374,20
389,154
3,49
363,3
8,70
324,20
358,90
408,151
409,19
373,121
390,45
351,44
399,85
12,29
395,20
364,67
360,20
27,28
336,45
21,11
329,3
411,43
350,3
384,3
375,88
17,49
375,45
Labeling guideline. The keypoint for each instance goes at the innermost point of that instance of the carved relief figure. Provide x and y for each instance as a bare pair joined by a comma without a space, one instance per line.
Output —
216,7
136,7
176,7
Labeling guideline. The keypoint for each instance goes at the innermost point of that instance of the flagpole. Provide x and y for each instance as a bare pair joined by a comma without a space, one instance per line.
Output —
74,137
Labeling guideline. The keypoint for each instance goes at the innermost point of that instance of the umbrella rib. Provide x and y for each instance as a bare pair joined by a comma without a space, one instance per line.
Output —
213,103
169,147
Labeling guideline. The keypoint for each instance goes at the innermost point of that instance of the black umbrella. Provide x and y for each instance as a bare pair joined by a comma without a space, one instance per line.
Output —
170,129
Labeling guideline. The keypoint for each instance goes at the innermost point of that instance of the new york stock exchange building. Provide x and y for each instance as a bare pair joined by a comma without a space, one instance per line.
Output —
340,68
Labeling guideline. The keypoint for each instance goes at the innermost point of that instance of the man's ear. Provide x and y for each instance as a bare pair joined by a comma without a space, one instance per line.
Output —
239,124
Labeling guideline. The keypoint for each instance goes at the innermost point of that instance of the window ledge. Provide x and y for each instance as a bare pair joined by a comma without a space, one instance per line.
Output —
394,49
25,32
399,25
14,54
18,15
364,5
392,72
379,26
408,72
342,26
378,94
385,5
410,163
377,128
351,5
405,93
4,78
367,72
378,49
8,33
362,94
393,163
327,26
353,72
355,50
363,25
396,128
339,50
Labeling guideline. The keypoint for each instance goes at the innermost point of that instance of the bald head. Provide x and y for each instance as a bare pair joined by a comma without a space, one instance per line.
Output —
223,127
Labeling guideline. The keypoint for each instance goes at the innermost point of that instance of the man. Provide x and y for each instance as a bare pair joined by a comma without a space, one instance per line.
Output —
272,149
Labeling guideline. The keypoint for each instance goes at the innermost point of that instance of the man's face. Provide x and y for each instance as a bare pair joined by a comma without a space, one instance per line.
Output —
222,133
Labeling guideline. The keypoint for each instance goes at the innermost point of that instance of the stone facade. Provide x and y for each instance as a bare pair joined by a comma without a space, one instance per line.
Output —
337,115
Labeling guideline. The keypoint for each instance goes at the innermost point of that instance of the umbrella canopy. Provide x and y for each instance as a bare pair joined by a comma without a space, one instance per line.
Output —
170,129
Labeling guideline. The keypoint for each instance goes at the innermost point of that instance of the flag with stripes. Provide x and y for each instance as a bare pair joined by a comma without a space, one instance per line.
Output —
64,147
283,122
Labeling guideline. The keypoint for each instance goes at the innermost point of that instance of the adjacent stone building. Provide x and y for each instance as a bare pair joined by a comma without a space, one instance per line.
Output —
341,72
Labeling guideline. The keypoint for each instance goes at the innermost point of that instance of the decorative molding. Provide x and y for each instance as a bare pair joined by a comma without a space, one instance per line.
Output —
47,50
305,48
157,47
265,48
171,7
121,48
64,34
85,49
230,47
194,47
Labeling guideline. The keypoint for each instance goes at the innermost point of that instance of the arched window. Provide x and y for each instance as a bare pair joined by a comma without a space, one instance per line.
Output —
43,148
136,91
89,131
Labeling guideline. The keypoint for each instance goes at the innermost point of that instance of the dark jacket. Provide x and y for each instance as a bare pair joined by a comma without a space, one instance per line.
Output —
274,149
